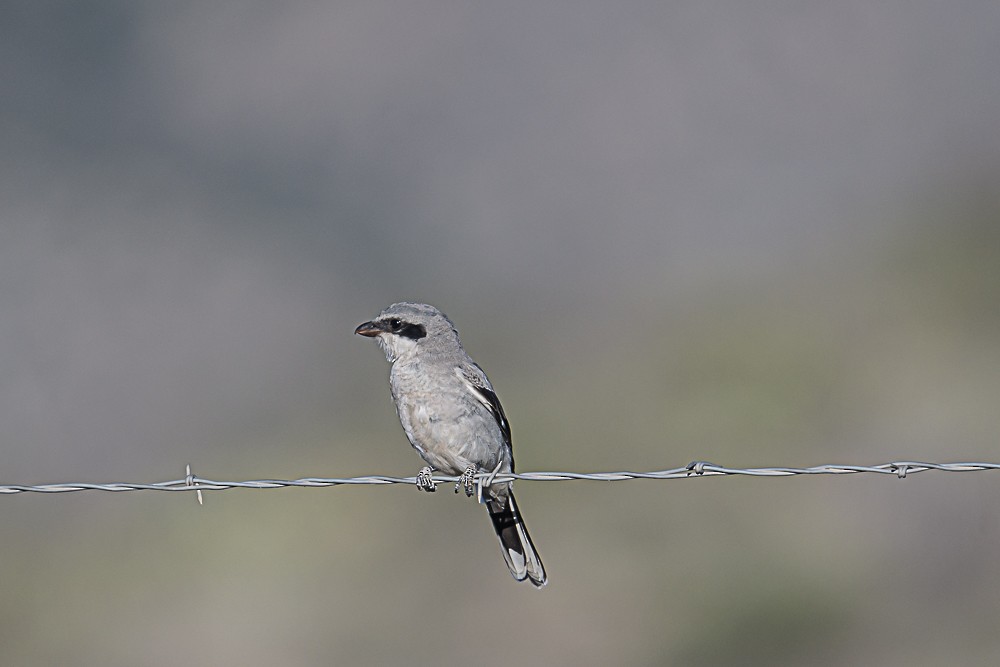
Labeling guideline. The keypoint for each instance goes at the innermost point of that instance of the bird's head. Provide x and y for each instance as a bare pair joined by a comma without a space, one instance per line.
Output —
402,328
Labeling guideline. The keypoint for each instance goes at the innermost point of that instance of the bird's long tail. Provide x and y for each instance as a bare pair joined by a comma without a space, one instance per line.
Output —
518,550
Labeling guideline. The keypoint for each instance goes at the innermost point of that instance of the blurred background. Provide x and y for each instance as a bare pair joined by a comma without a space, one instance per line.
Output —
753,233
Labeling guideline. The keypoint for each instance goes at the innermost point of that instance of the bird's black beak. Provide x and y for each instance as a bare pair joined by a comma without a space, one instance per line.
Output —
369,329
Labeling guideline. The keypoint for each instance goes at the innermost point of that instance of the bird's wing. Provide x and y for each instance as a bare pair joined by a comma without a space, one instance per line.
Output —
477,382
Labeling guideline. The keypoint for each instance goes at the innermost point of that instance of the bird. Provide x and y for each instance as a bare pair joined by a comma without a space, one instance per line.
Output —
451,415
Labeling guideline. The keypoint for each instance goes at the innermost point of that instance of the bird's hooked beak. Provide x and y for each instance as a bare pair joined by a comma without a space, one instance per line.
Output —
369,329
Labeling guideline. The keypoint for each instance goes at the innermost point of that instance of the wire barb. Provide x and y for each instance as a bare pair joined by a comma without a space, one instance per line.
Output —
695,469
486,480
189,481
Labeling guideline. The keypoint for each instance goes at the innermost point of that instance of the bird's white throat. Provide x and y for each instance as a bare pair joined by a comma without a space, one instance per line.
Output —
395,346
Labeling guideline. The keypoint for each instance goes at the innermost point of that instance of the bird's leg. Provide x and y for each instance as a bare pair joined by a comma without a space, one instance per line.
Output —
424,480
467,481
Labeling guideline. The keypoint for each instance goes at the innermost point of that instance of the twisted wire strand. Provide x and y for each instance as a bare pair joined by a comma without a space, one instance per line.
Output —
190,482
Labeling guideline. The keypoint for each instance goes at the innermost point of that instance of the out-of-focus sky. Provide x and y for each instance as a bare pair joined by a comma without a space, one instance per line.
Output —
757,233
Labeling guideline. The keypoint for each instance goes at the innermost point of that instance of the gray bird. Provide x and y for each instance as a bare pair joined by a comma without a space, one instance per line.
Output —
453,418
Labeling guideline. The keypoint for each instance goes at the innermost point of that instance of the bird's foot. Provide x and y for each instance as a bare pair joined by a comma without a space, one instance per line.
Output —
425,481
467,481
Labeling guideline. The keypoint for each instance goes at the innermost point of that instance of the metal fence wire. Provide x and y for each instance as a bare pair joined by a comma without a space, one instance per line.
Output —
191,482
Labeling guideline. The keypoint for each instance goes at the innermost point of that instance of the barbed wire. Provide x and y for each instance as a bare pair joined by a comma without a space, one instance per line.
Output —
190,482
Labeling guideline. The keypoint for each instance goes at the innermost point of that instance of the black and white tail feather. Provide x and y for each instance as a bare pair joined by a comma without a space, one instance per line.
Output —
518,549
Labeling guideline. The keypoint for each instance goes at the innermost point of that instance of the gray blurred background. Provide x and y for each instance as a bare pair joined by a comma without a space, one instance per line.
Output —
754,233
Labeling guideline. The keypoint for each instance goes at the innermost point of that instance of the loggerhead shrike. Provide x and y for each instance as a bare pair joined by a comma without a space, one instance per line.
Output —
453,418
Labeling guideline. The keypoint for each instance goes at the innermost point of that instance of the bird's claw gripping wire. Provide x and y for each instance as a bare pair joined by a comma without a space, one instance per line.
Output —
425,480
467,481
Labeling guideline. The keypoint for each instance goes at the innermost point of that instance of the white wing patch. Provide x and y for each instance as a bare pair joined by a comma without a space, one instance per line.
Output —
484,394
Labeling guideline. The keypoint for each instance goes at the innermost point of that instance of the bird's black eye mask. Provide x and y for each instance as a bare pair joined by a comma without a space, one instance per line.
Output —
405,329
